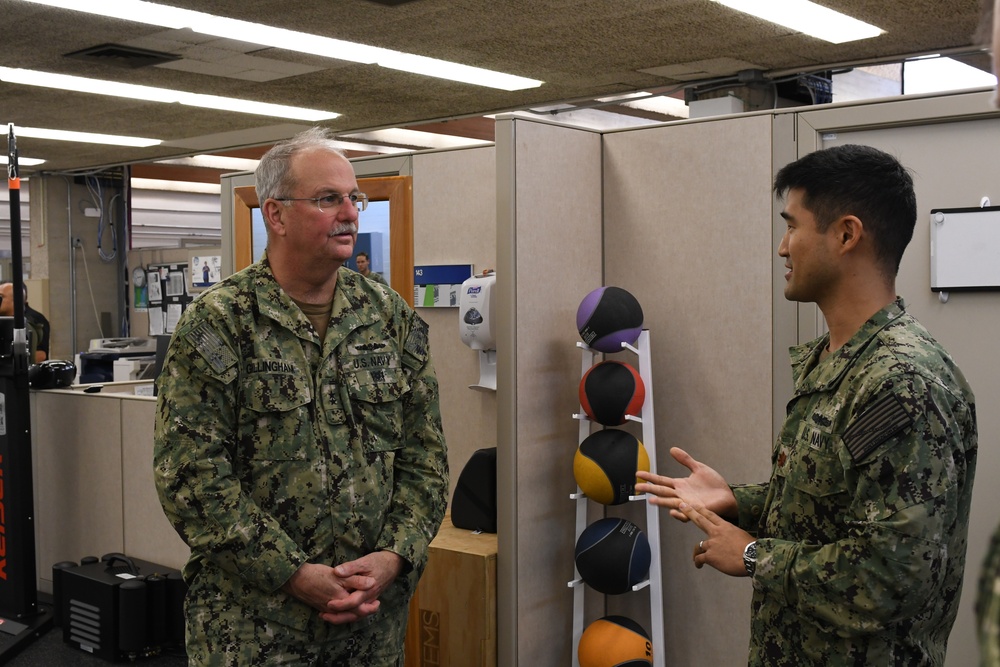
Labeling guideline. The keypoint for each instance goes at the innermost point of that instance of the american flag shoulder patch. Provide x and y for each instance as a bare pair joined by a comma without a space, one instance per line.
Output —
210,346
883,419
416,345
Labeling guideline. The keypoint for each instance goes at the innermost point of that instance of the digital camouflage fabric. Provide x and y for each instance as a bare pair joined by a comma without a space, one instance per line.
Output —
863,526
273,448
377,277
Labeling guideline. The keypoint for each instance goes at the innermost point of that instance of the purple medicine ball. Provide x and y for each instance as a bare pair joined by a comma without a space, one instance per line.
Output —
608,317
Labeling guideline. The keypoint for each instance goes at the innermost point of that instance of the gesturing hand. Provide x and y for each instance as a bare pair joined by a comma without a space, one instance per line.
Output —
704,487
723,545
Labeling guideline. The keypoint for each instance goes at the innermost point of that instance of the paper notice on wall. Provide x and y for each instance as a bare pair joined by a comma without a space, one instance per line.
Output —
156,322
436,296
174,311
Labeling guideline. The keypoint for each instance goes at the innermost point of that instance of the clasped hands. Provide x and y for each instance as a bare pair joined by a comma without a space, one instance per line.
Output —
705,499
347,592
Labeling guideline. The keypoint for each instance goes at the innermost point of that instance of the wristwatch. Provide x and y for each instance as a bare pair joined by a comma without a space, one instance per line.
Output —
750,557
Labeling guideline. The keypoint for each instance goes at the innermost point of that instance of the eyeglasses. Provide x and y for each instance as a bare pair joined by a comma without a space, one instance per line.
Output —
358,199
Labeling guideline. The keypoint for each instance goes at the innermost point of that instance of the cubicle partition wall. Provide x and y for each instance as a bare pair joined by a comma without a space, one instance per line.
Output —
681,217
549,255
454,209
93,470
689,225
687,216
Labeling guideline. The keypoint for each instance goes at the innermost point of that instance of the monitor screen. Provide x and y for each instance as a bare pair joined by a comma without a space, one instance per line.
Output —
153,370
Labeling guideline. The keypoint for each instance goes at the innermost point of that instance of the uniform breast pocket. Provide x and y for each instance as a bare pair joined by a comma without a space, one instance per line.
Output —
275,423
814,484
377,401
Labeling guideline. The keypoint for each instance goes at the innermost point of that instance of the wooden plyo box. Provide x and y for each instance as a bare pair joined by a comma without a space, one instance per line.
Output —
453,615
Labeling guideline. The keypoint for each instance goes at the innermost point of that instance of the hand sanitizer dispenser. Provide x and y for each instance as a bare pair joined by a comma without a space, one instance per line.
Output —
477,327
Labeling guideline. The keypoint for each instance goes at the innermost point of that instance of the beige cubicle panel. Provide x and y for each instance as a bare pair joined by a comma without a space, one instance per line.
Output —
450,228
147,533
77,462
679,215
688,231
93,485
549,256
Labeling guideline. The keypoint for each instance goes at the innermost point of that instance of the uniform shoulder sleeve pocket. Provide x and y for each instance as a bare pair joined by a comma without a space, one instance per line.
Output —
415,349
213,351
881,420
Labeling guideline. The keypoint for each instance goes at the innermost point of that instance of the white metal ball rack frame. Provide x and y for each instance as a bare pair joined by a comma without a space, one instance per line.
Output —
655,579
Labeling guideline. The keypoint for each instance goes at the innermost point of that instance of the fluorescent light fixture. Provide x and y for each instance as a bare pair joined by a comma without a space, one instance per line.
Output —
807,17
84,137
224,162
668,106
443,69
591,118
368,148
175,186
150,94
936,74
151,13
416,138
290,40
259,108
139,12
213,162
22,161
625,96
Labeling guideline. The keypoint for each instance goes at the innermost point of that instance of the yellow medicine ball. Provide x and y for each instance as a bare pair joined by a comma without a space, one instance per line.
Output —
605,465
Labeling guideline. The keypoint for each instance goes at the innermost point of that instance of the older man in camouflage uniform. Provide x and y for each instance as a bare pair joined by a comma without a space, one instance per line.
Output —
856,546
299,449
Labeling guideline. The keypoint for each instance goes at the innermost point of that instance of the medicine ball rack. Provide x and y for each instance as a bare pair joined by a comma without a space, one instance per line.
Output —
655,579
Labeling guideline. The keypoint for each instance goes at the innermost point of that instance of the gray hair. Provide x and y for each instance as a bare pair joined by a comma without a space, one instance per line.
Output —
273,174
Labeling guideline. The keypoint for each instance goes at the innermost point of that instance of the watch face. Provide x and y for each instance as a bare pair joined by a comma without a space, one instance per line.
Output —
750,558
138,277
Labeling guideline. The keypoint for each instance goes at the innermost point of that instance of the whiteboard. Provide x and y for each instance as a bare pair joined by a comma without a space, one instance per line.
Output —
965,248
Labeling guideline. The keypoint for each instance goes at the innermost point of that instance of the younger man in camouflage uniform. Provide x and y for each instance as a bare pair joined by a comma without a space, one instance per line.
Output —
364,268
298,443
856,546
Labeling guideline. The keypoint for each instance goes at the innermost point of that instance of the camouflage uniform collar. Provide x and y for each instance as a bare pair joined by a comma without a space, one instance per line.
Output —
810,374
348,311
274,303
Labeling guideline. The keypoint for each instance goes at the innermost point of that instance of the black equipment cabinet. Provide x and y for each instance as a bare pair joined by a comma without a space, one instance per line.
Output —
119,608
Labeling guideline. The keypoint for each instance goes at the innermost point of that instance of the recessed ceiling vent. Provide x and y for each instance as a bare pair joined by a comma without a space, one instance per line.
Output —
122,56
